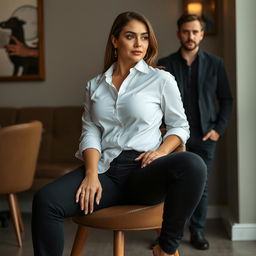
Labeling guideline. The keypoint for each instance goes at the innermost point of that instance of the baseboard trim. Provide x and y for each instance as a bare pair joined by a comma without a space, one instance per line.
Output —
238,231
243,232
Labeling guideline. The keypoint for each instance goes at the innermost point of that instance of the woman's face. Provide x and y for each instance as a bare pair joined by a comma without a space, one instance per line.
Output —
132,43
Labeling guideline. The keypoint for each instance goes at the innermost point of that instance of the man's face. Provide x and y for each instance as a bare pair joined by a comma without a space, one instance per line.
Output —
190,35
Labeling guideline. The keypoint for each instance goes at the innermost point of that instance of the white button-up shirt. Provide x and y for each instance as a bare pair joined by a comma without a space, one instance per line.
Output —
129,119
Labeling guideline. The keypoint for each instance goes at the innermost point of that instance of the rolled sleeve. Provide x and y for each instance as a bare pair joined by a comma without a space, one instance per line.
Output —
91,134
174,113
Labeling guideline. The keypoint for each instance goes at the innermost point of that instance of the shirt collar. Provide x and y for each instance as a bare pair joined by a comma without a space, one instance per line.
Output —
198,54
141,66
107,74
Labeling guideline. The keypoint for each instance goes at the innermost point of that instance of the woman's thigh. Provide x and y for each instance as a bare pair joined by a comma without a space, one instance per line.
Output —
60,194
149,185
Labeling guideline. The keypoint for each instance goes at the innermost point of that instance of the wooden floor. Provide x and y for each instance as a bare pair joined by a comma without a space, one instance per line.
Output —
137,242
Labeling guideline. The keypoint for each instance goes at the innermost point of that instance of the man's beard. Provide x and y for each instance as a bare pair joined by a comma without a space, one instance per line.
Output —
184,46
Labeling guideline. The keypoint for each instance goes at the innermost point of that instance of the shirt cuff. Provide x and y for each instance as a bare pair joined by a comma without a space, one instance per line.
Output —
83,146
183,134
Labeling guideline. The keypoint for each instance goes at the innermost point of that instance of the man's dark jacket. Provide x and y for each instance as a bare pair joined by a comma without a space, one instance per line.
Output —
212,85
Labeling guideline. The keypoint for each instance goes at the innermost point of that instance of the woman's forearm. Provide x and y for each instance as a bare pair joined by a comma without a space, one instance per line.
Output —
91,158
170,144
90,189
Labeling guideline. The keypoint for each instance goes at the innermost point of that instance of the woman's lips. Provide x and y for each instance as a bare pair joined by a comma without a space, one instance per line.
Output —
137,52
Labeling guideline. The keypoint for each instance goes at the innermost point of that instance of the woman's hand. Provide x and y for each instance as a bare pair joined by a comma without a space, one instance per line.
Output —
168,146
89,191
148,157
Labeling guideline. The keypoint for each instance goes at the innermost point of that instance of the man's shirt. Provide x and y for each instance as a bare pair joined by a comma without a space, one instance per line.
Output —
190,98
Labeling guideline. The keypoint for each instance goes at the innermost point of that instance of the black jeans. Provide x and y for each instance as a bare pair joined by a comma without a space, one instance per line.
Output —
177,179
206,150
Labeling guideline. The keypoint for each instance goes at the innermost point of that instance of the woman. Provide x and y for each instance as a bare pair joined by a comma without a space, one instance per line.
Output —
126,159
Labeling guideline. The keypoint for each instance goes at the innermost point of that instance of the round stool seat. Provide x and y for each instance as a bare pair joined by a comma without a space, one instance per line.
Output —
124,217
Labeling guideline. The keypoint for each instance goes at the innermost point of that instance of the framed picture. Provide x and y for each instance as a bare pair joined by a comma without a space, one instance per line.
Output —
21,40
207,9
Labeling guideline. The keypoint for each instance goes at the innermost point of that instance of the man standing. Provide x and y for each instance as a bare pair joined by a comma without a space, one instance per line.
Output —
202,81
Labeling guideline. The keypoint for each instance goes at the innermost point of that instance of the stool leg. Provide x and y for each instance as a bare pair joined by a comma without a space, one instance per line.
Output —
15,217
80,239
118,243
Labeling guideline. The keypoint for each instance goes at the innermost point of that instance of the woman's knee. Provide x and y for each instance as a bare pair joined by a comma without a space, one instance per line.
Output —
190,165
43,198
195,165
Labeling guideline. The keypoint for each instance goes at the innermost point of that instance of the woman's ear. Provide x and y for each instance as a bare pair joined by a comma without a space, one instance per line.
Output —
114,41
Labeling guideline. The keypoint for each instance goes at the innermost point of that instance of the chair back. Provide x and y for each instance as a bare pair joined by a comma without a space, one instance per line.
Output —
19,147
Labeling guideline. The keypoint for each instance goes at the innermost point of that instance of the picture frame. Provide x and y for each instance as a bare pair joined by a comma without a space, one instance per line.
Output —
21,40
207,9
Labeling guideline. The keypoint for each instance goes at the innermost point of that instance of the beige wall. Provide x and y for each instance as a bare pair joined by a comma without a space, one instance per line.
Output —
246,108
240,58
75,37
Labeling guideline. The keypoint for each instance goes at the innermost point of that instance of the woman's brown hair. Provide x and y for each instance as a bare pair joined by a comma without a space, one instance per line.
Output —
120,22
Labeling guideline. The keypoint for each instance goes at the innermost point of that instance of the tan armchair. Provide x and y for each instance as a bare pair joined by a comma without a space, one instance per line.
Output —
19,147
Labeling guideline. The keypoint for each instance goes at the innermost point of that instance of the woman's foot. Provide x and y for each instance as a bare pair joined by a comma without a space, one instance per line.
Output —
157,251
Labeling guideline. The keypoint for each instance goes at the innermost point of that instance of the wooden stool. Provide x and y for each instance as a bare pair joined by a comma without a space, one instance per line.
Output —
118,219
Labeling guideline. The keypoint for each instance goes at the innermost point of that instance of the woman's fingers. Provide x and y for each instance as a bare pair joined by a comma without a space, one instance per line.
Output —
78,195
149,157
144,157
87,199
88,193
140,157
91,202
86,202
98,196
82,200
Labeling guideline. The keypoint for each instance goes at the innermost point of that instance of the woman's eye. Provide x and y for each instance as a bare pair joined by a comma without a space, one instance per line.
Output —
144,38
129,36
